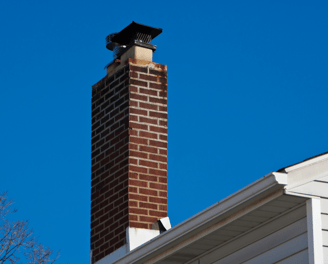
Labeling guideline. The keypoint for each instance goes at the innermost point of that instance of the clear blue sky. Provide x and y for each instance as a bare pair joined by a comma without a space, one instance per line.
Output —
247,95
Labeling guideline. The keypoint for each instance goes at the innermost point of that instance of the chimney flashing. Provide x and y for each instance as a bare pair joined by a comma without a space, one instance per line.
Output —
135,237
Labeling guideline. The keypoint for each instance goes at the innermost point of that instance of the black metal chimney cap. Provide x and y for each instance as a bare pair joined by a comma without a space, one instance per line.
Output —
124,36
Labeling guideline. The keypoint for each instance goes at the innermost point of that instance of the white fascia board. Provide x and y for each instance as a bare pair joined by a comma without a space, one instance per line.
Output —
270,181
306,163
305,181
307,171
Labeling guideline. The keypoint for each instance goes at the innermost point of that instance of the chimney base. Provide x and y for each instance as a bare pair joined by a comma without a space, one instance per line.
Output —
135,237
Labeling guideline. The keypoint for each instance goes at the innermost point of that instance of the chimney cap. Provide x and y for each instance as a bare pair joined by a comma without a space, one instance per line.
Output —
125,35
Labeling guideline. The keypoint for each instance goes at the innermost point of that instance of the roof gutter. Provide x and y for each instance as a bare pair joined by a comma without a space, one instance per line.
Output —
272,183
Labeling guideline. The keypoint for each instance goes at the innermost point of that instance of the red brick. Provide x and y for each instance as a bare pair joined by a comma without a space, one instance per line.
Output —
133,161
160,144
133,132
157,100
163,194
118,117
138,69
156,114
132,146
161,87
138,211
148,164
162,108
125,133
158,186
162,180
158,214
139,83
138,97
138,225
158,158
139,183
133,118
157,200
148,205
138,154
148,120
133,103
157,172
137,111
119,230
119,244
163,80
163,123
138,126
133,74
133,190
147,106
147,135
95,167
158,129
148,92
148,77
147,177
162,207
148,149
163,166
147,219
138,140
132,175
133,217
163,151
156,72
163,137
138,197
100,255
147,192
138,169
134,204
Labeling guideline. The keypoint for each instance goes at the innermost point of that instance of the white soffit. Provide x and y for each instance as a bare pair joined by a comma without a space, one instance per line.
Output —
266,188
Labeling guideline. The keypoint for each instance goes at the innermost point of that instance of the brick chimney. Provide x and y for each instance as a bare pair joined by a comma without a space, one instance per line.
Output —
129,146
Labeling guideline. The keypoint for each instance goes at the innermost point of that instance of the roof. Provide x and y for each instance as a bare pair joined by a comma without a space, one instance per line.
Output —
228,220
308,159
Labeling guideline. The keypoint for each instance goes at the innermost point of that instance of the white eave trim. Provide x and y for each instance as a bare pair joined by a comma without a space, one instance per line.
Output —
273,180
306,163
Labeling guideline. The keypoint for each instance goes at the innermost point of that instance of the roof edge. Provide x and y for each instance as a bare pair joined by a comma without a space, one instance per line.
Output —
266,183
305,162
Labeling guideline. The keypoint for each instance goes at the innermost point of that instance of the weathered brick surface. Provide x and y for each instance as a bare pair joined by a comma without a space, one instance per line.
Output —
129,154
